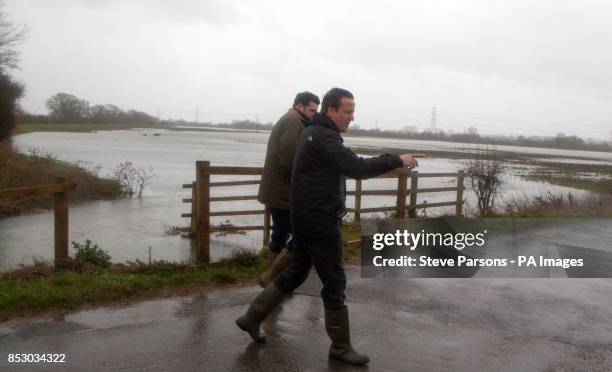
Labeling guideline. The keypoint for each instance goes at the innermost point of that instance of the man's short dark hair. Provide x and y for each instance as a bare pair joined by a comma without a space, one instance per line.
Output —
305,98
333,97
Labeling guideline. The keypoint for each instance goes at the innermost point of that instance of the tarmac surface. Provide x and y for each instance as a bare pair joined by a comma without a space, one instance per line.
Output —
448,324
403,324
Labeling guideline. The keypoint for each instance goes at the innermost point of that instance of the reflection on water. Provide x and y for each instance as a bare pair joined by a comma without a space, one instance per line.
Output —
130,228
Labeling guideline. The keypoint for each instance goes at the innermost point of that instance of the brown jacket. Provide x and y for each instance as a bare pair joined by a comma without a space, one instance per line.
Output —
274,187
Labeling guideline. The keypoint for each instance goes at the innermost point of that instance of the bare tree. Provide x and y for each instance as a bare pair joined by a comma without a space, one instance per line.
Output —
10,37
10,90
485,174
132,180
104,114
66,108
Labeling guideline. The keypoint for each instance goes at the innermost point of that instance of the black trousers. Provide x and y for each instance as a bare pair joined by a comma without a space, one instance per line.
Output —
281,229
326,256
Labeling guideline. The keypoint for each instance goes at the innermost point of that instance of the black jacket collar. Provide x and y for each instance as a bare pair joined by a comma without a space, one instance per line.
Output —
325,121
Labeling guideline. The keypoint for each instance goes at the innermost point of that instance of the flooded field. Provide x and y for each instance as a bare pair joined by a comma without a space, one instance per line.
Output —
132,229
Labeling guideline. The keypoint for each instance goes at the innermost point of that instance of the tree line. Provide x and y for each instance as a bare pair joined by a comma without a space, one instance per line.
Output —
560,141
69,109
471,135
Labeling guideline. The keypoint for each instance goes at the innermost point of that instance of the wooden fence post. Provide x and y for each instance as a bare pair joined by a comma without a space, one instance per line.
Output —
414,181
357,219
266,228
203,212
402,184
459,208
194,209
61,224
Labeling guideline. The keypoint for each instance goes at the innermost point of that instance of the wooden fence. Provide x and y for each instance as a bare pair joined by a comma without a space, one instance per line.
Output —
407,188
60,191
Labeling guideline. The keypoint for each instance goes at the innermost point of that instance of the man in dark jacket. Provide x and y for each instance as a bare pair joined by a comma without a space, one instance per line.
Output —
318,193
274,187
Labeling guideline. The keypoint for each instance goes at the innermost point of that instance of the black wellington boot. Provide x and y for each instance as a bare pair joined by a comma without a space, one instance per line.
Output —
338,330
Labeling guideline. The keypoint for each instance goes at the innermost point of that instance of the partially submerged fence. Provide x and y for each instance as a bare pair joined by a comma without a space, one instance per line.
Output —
60,191
407,188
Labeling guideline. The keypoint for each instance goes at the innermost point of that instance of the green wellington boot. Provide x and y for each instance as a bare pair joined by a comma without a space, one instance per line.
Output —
338,330
259,309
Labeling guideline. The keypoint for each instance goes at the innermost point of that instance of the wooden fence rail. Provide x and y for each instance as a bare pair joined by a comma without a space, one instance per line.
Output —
60,191
407,187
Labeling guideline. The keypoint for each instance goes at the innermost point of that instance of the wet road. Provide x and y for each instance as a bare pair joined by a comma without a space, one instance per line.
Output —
404,325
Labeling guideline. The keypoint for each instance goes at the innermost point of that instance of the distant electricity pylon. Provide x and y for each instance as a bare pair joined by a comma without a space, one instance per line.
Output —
434,117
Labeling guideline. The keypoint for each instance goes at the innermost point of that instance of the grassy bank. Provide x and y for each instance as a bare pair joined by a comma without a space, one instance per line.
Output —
595,185
39,289
82,128
559,206
20,170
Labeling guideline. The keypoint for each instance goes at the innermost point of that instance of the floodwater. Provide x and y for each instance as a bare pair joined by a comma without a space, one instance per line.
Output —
135,229
467,147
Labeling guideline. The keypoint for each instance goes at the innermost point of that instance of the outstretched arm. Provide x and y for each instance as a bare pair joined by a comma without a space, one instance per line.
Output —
351,165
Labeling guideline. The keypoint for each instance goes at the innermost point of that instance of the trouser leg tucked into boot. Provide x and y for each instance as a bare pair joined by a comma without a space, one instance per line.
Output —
338,330
259,309
280,263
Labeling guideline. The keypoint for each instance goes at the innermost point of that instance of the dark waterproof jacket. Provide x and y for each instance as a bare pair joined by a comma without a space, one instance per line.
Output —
318,188
274,187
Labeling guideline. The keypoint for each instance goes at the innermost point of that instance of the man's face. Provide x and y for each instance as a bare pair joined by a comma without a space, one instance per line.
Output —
343,116
310,110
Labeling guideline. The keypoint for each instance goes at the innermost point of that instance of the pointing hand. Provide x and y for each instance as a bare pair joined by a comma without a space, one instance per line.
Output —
410,160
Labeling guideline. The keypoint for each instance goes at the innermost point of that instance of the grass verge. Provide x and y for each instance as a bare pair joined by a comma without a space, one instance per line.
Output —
39,288
351,236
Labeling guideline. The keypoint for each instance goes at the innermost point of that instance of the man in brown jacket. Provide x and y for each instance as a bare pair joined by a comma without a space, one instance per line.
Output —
276,178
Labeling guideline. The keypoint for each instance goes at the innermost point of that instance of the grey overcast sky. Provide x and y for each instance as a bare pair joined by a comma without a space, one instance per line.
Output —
531,67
